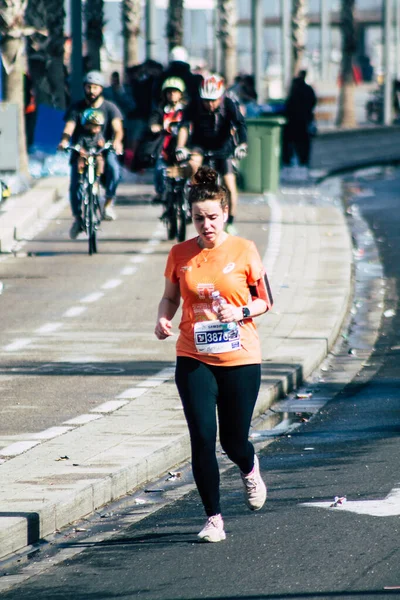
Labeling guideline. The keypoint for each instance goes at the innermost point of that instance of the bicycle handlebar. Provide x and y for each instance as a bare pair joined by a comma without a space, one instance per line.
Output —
92,151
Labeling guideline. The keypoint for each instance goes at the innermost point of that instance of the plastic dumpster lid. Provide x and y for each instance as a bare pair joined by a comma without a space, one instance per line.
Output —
272,120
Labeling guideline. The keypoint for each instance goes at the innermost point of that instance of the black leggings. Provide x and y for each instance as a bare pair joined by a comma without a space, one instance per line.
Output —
234,391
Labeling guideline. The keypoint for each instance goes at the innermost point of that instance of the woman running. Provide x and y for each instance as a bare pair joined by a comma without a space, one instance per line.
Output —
223,285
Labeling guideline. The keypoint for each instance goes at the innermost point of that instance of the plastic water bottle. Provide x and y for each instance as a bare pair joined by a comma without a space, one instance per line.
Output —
217,301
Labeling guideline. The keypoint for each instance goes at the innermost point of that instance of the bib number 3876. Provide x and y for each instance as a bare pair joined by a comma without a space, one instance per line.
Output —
213,337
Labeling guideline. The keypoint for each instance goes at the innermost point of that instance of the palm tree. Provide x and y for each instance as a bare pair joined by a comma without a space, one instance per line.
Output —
35,17
12,43
346,113
131,19
94,14
227,34
299,35
175,23
55,49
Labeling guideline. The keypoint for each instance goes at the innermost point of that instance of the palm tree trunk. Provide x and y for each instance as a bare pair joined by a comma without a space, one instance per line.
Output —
131,18
227,35
299,35
94,31
55,15
346,113
12,50
175,24
37,41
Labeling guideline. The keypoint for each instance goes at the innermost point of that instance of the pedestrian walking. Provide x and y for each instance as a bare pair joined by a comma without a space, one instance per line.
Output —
223,285
298,131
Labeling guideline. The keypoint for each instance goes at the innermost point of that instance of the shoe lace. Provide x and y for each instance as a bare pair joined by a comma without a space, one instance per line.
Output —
214,521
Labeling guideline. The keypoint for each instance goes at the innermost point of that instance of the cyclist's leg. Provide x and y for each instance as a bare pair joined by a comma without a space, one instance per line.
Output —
159,180
229,178
195,162
113,175
75,198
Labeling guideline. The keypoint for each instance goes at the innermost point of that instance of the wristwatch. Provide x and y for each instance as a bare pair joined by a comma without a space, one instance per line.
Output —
245,312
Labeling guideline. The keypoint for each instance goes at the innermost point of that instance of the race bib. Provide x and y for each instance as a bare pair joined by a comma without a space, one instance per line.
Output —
213,337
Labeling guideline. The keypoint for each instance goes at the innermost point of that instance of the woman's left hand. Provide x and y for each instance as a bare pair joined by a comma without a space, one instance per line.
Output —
228,313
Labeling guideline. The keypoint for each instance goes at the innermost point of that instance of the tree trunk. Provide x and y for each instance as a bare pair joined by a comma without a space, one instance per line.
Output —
131,19
12,50
227,35
299,35
37,51
175,24
346,113
55,49
94,14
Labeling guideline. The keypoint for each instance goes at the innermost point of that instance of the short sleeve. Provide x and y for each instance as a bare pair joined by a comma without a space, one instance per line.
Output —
115,113
255,268
72,113
170,269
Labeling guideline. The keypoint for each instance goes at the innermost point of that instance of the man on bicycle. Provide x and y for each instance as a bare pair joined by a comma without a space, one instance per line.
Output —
112,129
211,123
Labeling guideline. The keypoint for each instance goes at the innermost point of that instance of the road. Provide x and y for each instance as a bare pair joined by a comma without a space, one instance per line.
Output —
295,548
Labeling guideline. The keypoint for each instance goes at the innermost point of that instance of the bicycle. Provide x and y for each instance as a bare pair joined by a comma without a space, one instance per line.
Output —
175,215
90,193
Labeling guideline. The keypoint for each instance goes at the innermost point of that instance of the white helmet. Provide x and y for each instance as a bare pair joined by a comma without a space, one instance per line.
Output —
212,87
178,54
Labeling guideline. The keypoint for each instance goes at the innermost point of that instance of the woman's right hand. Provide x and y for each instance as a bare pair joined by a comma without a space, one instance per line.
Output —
163,329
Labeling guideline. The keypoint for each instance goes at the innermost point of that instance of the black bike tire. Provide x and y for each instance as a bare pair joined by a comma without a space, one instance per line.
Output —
91,227
182,218
171,219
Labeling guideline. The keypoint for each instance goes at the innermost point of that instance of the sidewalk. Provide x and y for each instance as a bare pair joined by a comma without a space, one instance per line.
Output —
143,434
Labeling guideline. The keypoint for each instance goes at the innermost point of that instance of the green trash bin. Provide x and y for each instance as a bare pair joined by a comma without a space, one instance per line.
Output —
259,171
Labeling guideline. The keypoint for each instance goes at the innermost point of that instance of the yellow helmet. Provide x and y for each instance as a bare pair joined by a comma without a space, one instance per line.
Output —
174,83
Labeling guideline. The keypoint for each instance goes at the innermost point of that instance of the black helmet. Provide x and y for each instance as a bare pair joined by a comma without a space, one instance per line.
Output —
95,78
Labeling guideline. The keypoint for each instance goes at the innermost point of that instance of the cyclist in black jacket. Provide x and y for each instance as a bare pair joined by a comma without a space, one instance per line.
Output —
211,122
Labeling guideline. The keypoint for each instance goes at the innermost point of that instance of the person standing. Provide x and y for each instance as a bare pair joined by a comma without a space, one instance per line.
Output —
223,285
112,130
298,132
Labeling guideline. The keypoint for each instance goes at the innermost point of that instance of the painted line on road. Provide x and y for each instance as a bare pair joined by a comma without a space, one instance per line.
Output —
137,259
49,328
129,271
111,284
50,433
18,344
74,311
92,297
82,419
132,393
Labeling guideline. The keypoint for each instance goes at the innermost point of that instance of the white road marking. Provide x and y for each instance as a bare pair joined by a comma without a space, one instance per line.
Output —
50,433
18,448
132,393
111,284
387,507
137,259
74,311
109,406
157,379
49,328
129,271
17,344
82,419
92,297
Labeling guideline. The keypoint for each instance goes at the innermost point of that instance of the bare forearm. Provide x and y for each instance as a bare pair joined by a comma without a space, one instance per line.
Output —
167,309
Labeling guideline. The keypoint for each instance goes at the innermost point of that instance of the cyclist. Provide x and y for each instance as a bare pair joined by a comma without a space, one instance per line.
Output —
210,123
112,129
164,118
92,138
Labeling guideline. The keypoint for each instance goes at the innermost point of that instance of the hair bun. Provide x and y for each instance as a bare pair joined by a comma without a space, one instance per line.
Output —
205,176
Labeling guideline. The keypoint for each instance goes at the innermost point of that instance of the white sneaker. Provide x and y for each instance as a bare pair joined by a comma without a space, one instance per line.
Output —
213,530
76,229
255,488
109,213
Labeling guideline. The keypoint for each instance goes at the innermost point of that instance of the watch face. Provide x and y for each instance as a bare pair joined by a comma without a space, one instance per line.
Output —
246,312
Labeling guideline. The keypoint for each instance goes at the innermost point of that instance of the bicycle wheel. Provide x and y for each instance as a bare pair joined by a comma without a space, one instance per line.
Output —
91,226
171,217
182,216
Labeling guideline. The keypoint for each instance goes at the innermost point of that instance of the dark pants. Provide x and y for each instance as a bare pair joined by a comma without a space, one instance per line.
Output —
296,141
233,391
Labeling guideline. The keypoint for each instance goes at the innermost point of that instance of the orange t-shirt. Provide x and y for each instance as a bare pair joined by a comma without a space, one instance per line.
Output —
230,268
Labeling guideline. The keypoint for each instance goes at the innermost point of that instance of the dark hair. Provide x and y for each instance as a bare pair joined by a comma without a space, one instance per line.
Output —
204,186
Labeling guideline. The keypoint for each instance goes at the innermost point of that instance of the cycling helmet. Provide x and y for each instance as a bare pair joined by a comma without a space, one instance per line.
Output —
174,83
178,54
212,87
91,116
95,78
